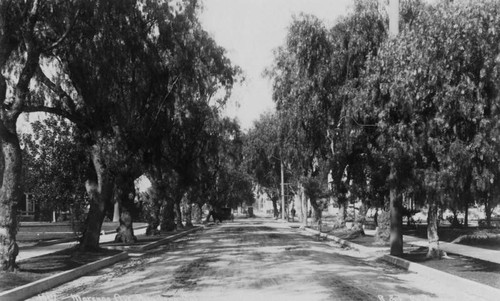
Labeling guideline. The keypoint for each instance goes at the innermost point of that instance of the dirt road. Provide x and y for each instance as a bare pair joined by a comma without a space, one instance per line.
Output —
254,259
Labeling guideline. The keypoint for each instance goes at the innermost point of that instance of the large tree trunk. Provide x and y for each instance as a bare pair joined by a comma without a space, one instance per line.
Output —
10,196
396,207
360,219
154,217
125,190
188,215
432,231
99,188
318,212
198,214
487,210
178,214
168,216
11,190
275,208
466,210
342,214
303,206
383,233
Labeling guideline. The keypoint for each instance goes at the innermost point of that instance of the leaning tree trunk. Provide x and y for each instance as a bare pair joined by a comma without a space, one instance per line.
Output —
10,196
432,231
99,189
125,190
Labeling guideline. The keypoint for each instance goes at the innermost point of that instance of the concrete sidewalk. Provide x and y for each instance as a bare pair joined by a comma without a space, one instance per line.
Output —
459,249
28,252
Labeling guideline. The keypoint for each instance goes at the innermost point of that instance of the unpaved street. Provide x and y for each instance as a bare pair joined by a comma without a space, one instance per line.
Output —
254,259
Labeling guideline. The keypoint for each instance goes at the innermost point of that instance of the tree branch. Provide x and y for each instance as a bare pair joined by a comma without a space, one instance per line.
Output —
56,111
65,34
64,97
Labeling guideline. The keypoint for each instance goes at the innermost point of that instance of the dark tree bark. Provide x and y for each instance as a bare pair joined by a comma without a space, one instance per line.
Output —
342,215
396,208
154,217
466,210
487,209
275,207
318,212
168,216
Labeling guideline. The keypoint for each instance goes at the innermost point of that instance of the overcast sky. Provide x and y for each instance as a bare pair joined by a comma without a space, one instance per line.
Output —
250,30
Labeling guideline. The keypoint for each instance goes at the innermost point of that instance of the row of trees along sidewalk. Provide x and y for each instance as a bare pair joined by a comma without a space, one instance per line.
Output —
137,87
415,115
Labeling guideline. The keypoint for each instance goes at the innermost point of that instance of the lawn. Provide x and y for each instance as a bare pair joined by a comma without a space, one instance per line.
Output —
39,267
470,268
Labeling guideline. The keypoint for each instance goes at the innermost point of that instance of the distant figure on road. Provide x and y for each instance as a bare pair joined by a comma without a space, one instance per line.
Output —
293,213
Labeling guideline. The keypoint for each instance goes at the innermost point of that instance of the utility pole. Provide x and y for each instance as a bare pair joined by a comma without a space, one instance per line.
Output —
396,206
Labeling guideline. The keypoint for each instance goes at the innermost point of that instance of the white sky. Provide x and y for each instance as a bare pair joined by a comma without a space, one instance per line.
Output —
250,30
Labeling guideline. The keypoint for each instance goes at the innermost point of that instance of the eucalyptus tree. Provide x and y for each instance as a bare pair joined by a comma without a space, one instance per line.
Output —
226,184
28,29
202,79
93,85
262,156
314,75
354,38
434,98
301,78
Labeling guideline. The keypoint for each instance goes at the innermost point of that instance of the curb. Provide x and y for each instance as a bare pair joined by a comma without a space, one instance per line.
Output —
479,288
114,231
168,239
34,288
341,241
151,245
